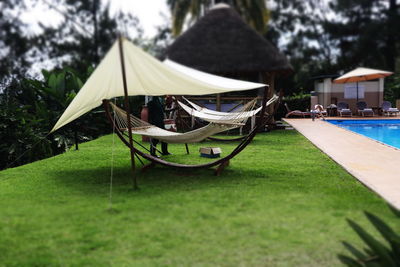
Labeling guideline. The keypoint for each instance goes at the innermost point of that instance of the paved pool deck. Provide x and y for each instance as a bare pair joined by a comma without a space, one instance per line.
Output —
374,164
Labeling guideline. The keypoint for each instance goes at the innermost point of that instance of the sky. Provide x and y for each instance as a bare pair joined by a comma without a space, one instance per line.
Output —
149,13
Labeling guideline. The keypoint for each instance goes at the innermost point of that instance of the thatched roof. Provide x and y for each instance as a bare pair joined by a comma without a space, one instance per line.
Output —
221,42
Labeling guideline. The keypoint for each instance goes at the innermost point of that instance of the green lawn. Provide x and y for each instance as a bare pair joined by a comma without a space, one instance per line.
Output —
280,202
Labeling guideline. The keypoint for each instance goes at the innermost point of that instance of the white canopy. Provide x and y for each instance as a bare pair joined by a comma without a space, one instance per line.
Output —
145,76
215,80
362,74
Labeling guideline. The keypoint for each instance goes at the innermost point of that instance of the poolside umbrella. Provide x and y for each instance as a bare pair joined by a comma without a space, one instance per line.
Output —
362,74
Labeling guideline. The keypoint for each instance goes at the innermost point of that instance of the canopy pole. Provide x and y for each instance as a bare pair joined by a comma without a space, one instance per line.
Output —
127,109
357,91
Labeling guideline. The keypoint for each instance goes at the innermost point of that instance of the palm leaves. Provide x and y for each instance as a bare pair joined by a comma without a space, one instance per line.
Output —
377,253
30,107
254,12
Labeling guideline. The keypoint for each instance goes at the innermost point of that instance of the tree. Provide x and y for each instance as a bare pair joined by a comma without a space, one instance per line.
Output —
328,37
366,32
161,41
29,108
81,39
296,26
254,12
14,43
87,32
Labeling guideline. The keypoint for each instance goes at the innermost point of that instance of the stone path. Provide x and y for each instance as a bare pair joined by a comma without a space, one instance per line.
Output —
374,164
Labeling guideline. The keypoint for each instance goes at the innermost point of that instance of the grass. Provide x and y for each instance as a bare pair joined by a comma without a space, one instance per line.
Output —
281,202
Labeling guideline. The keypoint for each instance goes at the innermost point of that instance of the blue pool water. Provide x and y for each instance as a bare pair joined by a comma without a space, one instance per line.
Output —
385,131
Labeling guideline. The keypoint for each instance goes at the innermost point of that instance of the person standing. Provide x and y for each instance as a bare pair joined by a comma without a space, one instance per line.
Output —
170,107
156,117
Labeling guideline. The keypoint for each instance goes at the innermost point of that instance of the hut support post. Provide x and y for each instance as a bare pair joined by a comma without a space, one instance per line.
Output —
218,107
127,109
269,78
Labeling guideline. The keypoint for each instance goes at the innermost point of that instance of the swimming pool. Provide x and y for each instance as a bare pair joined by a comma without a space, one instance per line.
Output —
385,131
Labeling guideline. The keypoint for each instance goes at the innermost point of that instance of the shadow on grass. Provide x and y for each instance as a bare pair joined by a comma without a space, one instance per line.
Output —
97,180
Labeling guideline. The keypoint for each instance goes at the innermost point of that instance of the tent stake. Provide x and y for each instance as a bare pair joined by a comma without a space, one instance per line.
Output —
127,109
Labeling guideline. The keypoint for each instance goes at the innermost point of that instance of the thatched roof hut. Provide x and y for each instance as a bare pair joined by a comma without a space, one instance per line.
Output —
222,43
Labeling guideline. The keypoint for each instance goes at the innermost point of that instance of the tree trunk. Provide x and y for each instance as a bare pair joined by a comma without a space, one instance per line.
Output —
269,78
95,30
391,34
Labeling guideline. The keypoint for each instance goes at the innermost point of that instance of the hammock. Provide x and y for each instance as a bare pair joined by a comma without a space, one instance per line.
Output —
220,163
214,112
225,117
141,127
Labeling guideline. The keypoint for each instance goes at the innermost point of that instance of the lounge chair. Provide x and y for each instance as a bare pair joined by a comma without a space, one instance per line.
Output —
387,109
343,109
363,110
296,113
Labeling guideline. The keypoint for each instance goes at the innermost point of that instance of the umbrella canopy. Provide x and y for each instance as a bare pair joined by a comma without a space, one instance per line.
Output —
362,74
145,76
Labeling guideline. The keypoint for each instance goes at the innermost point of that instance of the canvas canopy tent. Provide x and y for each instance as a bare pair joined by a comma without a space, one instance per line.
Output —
145,75
234,85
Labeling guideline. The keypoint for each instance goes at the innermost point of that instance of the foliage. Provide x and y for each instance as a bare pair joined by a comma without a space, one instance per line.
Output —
85,33
14,44
322,37
281,202
161,41
392,88
20,131
367,24
30,107
377,253
296,28
254,12
299,101
91,30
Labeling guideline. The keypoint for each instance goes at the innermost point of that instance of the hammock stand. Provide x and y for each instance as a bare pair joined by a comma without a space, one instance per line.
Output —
221,163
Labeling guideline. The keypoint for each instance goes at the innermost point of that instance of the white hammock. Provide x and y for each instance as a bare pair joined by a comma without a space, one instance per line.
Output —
144,128
214,112
225,117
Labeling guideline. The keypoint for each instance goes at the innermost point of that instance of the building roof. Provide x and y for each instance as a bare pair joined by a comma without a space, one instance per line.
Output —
221,42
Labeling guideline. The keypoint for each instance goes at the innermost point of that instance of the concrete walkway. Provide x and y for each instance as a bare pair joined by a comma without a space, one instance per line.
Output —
374,164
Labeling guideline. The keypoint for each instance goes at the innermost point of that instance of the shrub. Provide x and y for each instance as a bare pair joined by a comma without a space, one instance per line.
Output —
392,90
299,101
377,253
29,108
